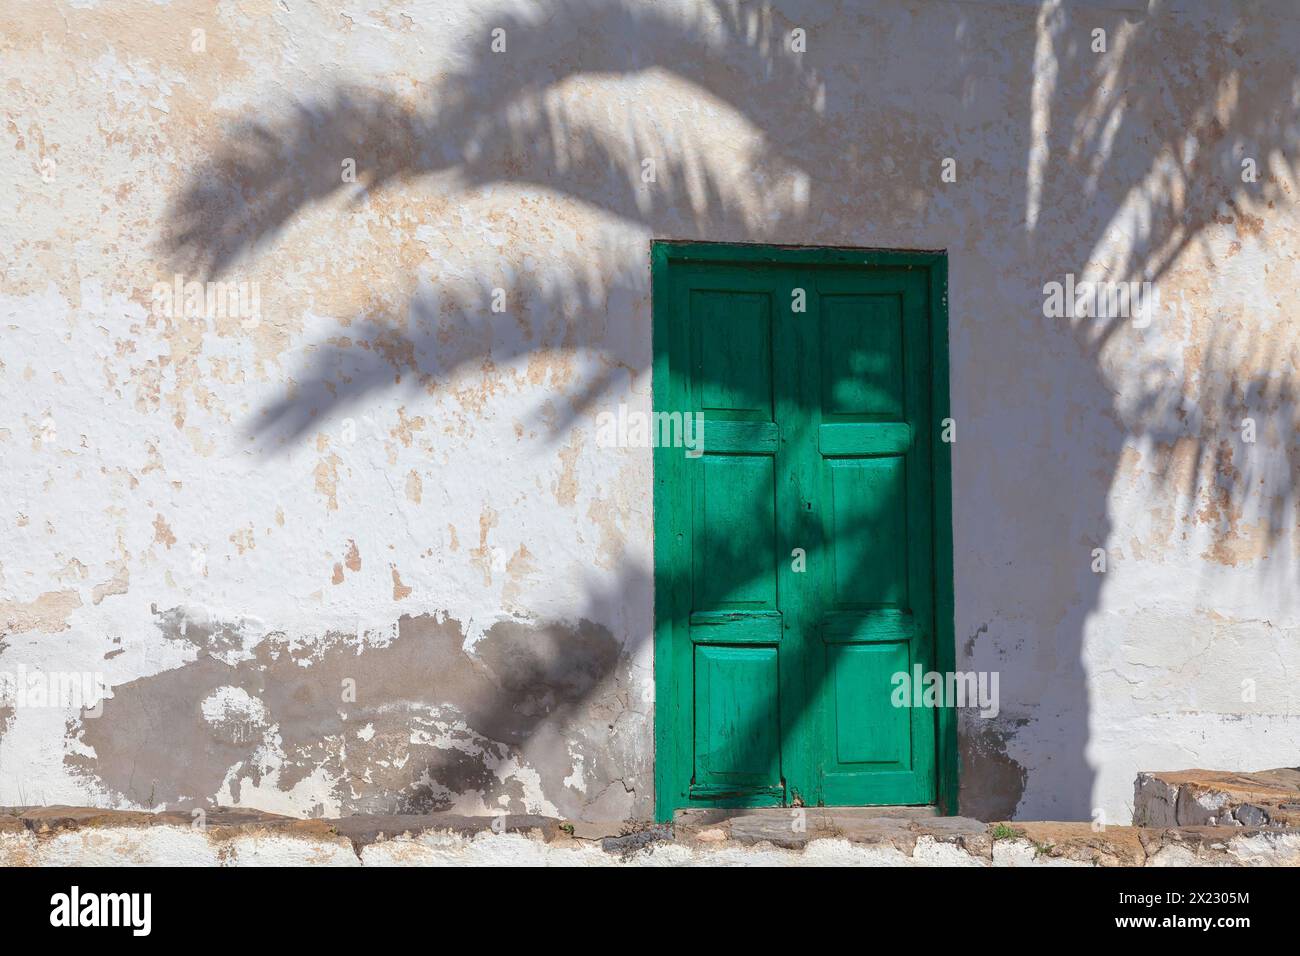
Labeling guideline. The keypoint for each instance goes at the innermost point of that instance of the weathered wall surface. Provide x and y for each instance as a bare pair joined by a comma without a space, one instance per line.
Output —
357,550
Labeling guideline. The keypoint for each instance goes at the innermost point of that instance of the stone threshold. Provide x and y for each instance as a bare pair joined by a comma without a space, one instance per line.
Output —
59,835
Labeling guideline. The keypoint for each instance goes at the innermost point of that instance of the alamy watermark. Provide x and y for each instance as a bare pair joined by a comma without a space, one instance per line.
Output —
635,429
75,908
953,689
209,300
1137,301
82,690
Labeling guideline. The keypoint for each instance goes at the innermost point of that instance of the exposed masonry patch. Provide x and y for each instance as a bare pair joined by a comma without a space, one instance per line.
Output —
524,722
1267,798
48,613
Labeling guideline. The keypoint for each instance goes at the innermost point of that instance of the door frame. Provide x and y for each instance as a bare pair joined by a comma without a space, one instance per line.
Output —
672,730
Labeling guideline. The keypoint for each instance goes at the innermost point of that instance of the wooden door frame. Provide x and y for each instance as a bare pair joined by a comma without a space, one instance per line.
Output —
672,731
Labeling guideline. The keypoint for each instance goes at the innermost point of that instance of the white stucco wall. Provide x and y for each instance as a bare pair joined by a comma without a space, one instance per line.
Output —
378,478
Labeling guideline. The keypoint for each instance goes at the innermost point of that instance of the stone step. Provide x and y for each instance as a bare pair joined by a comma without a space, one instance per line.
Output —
867,836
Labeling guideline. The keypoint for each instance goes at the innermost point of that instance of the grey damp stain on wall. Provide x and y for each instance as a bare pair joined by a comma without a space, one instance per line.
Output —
969,646
522,719
991,782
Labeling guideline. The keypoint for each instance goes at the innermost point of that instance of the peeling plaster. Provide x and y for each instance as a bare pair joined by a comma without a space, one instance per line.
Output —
404,723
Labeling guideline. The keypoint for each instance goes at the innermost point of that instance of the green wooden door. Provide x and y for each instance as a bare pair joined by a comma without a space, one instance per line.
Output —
802,561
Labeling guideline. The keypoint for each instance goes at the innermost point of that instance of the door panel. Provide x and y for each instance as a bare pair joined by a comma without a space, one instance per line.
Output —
869,731
868,531
733,353
862,355
795,558
734,540
736,532
737,737
878,492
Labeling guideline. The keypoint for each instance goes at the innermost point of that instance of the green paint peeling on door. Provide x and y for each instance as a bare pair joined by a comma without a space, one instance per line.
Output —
804,559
